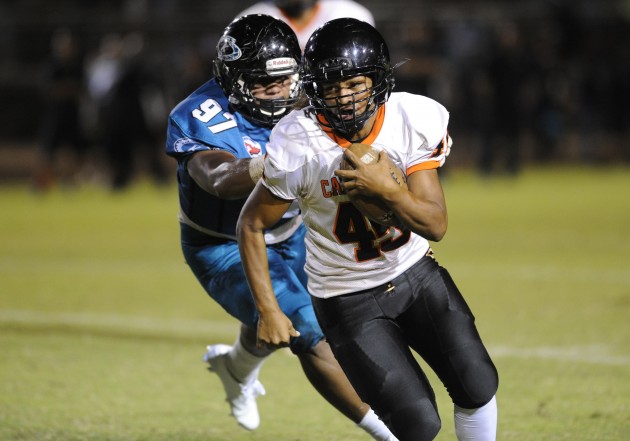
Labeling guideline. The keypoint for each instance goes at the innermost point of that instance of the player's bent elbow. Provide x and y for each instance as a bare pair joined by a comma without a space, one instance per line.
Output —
246,227
437,237
242,228
436,232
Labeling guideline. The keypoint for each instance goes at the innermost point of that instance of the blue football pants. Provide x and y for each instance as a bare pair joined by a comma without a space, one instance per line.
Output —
217,266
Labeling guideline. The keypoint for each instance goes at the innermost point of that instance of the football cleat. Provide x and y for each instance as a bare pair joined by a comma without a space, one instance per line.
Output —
241,397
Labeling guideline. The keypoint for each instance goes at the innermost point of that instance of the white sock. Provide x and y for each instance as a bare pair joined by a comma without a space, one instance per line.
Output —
244,365
375,427
477,424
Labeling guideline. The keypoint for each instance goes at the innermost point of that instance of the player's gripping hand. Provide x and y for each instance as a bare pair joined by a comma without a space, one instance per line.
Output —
275,329
374,179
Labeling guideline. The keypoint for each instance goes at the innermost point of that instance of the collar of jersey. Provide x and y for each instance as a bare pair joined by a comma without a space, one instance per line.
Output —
376,129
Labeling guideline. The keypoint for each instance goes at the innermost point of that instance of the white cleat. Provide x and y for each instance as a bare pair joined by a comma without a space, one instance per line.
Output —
241,397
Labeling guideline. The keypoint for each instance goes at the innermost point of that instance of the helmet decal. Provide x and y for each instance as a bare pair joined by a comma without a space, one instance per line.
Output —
227,49
281,66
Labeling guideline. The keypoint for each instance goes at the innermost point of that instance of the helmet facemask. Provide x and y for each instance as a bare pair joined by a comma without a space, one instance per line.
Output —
342,112
263,111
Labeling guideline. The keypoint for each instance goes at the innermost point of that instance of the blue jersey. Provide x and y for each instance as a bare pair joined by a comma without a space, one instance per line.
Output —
203,121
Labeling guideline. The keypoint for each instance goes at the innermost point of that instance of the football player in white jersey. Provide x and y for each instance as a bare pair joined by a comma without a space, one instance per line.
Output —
304,16
378,291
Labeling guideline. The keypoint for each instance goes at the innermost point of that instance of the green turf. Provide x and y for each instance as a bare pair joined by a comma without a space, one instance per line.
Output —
102,326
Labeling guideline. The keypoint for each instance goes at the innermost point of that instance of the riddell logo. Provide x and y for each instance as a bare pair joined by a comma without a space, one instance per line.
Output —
280,63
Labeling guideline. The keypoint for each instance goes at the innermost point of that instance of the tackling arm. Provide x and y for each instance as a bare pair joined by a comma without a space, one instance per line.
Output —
219,173
262,210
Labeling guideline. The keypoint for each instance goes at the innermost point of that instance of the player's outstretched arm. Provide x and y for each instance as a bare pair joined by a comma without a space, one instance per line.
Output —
261,211
221,174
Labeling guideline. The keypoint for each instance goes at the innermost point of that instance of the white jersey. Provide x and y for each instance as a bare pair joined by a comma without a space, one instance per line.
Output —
345,251
325,10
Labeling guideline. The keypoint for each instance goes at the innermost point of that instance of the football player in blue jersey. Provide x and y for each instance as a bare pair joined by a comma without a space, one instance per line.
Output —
218,135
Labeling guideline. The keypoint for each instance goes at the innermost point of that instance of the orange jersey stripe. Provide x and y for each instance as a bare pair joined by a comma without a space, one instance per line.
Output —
429,165
378,124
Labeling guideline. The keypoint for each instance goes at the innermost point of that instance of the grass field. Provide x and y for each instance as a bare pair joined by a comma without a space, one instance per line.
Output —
102,326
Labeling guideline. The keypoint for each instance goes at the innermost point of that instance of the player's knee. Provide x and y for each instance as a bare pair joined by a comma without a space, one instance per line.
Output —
482,382
310,335
417,422
305,322
410,413
249,341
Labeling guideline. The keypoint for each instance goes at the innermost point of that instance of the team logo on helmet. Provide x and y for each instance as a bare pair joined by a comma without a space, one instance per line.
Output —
228,49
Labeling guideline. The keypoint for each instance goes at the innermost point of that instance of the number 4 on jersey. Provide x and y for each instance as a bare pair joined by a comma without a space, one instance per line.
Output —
352,227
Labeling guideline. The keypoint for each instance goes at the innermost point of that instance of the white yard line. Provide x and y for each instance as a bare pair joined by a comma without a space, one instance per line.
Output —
596,354
152,325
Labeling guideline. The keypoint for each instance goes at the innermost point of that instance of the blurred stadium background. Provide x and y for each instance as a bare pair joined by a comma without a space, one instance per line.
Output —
529,81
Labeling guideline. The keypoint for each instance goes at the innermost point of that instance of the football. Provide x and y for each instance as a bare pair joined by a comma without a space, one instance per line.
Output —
373,207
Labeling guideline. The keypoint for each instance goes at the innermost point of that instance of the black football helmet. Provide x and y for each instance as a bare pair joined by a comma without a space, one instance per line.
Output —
253,49
339,50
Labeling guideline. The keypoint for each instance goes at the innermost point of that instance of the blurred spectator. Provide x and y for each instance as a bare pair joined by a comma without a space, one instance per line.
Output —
192,70
128,98
570,102
61,123
604,120
506,73
304,16
420,56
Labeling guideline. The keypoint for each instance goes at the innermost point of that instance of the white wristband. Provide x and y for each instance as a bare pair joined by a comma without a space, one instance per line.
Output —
256,167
